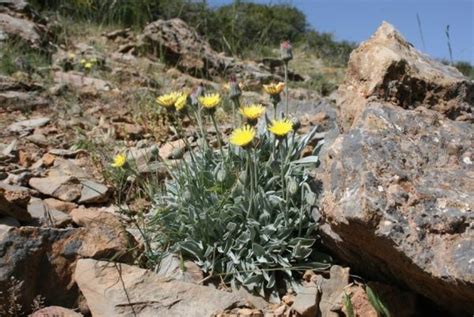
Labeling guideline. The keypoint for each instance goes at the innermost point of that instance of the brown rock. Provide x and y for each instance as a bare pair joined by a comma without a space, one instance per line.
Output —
306,301
154,296
44,259
14,201
80,81
19,100
66,188
55,311
388,68
90,217
360,303
60,205
48,159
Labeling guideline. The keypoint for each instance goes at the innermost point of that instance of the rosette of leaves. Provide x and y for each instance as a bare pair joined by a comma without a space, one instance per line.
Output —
260,241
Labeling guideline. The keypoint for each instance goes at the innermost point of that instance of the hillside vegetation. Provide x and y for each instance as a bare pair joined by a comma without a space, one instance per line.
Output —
239,29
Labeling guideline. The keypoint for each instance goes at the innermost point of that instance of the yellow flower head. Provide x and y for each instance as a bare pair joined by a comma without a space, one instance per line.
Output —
93,60
280,128
88,65
252,112
181,102
242,136
210,101
168,100
71,56
119,160
274,89
83,61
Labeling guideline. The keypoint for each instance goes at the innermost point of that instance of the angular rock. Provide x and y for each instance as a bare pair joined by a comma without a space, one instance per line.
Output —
27,125
147,294
63,206
53,311
93,192
172,150
44,215
68,167
306,302
332,291
388,68
170,267
44,259
182,47
65,188
80,81
21,28
14,201
19,100
398,201
89,217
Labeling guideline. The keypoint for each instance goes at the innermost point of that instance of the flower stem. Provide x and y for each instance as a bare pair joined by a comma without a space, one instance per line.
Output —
286,88
219,140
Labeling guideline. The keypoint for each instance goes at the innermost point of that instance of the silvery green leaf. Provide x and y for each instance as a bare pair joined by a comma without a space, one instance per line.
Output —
310,198
231,226
221,175
307,160
292,186
258,249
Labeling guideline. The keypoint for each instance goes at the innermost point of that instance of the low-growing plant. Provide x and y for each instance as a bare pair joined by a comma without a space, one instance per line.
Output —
243,211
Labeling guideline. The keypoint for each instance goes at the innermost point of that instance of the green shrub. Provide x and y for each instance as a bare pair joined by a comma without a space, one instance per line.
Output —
17,56
243,214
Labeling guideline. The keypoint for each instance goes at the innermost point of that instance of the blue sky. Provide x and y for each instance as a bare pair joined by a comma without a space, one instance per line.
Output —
356,20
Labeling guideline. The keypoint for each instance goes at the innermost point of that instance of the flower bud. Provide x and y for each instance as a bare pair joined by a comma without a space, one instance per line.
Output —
234,88
286,51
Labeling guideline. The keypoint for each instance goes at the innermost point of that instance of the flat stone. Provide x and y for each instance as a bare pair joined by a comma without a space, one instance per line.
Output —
93,192
60,205
332,291
19,100
65,188
45,215
306,301
170,267
30,124
53,311
157,296
80,81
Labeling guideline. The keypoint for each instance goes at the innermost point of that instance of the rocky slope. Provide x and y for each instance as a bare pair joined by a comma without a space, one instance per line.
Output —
397,177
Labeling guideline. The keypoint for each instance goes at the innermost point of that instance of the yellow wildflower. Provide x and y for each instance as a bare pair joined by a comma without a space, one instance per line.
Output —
252,112
93,60
181,102
210,101
88,65
274,89
83,61
168,100
280,128
71,56
242,136
119,160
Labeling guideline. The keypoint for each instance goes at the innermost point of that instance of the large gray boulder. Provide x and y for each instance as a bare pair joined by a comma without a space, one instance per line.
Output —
398,183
